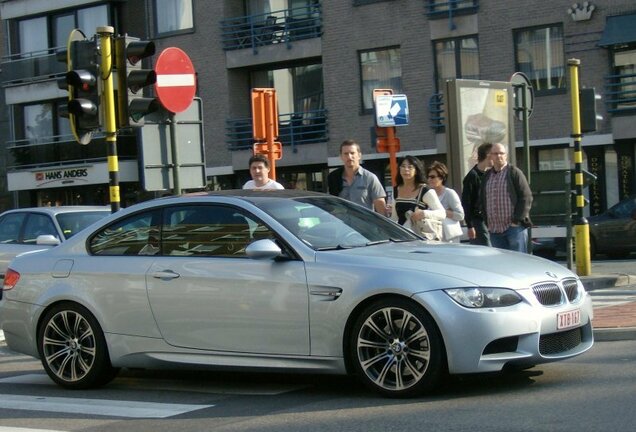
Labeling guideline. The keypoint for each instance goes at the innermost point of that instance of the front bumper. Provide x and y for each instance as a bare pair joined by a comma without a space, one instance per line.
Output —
526,334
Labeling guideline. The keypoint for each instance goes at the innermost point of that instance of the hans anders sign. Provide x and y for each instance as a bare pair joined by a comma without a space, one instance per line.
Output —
65,176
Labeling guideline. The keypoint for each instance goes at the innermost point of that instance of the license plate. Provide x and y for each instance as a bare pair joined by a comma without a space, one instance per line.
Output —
568,319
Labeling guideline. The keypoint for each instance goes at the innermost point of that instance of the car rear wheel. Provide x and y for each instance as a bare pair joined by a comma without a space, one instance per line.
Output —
396,348
73,349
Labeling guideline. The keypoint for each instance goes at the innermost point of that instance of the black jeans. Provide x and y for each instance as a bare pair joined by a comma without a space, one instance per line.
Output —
482,236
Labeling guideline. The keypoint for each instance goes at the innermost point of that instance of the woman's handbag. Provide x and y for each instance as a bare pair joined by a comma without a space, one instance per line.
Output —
452,229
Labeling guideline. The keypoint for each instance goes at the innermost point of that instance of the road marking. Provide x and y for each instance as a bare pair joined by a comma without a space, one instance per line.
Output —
104,407
18,429
122,383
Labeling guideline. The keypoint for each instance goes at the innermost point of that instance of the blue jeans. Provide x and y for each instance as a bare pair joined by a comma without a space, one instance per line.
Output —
514,238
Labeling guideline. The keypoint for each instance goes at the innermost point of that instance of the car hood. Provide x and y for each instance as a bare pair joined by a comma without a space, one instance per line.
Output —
473,265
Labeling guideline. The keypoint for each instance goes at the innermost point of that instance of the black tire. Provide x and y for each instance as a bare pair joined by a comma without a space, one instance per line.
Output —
396,349
73,349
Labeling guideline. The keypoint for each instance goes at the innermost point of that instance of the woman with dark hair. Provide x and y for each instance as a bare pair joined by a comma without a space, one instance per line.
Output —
437,174
415,203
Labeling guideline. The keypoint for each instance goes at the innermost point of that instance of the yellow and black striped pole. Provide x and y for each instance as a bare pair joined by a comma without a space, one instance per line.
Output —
108,102
581,227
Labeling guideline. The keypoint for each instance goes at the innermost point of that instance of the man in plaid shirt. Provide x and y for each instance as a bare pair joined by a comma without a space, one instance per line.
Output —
506,200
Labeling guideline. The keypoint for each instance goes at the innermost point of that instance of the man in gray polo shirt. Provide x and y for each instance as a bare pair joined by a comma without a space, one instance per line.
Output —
355,183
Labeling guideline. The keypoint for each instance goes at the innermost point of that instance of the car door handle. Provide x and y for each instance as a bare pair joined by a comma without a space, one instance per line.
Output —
165,275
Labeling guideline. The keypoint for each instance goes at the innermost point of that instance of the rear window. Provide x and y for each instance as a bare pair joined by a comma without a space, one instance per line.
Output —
72,223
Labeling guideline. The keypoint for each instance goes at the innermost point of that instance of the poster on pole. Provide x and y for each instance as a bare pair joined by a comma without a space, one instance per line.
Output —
476,112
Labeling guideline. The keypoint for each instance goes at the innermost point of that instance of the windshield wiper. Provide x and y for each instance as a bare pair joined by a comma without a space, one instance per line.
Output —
371,243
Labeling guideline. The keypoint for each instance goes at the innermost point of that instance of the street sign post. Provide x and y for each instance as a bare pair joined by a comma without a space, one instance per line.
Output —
175,89
385,130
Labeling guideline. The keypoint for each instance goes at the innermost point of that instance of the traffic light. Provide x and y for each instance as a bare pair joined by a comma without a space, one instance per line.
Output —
587,104
132,106
81,82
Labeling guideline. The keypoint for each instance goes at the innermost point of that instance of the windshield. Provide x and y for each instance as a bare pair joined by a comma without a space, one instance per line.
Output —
73,222
331,223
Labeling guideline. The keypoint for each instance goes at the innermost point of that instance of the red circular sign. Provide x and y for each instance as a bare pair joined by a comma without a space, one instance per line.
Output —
176,81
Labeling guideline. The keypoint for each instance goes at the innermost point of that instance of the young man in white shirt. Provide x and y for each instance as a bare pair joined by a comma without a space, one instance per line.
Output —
259,170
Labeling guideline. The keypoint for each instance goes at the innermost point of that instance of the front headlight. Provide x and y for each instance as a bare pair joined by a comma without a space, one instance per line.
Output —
477,297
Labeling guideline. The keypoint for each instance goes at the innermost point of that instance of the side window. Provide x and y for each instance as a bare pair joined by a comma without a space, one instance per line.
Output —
10,227
135,235
215,231
36,225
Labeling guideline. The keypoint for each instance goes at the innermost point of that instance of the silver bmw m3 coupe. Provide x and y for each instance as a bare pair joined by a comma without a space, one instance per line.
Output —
285,280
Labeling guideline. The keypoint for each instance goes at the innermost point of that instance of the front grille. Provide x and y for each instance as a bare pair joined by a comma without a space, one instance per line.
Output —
548,294
559,342
571,289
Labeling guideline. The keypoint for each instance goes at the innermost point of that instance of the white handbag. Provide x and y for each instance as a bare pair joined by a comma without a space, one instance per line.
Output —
452,229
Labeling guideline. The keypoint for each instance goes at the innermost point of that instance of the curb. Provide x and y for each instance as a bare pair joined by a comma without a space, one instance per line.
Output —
614,334
592,283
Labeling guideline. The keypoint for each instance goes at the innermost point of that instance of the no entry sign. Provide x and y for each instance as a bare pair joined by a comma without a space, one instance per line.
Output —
176,83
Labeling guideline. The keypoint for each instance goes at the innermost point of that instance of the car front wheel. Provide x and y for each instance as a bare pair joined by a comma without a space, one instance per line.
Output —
396,348
73,349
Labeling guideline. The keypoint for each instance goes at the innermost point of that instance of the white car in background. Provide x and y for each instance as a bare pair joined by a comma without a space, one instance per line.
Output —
35,228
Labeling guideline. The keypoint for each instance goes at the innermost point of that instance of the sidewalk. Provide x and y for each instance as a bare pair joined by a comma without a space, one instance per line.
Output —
613,321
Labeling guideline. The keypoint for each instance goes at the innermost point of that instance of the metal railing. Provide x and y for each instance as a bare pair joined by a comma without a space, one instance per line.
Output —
293,129
282,26
58,150
30,67
451,7
436,110
620,93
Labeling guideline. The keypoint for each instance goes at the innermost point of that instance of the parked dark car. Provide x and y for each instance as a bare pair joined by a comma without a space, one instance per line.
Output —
614,232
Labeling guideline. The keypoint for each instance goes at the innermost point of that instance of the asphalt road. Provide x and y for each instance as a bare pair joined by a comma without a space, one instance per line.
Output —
595,391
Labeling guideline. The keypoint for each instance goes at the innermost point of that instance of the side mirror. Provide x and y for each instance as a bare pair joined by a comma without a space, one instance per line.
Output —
263,249
47,240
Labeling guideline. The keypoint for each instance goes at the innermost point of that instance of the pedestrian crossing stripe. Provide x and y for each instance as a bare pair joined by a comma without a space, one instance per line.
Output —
103,407
19,429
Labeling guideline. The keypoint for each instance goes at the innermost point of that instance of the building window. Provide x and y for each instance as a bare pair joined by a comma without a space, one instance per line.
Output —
173,16
32,38
33,34
623,83
540,55
379,69
298,89
38,122
456,58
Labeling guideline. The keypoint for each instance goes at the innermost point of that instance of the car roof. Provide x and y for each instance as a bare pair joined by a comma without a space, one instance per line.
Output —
253,193
57,210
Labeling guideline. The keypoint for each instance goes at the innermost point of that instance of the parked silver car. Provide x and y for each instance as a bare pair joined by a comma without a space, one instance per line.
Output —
35,228
285,280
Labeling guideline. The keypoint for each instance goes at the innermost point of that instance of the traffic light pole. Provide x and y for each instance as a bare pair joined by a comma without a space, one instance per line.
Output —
581,227
108,99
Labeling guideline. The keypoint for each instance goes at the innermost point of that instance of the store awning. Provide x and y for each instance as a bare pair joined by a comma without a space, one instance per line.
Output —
619,30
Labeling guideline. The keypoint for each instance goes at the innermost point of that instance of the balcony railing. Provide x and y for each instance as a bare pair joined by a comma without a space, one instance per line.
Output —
441,9
283,26
436,110
31,67
620,93
59,150
293,129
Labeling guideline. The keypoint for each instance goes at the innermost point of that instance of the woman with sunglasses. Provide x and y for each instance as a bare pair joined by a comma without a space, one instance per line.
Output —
415,203
436,175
